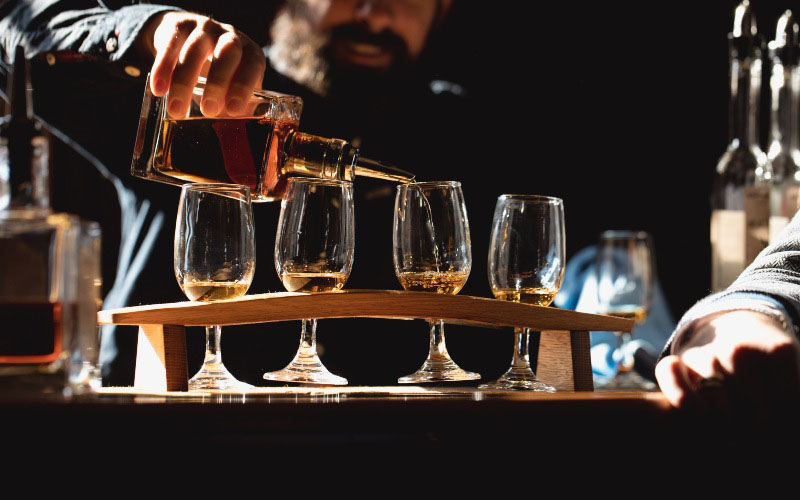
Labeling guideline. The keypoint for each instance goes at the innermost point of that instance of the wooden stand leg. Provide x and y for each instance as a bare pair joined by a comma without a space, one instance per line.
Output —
564,361
161,358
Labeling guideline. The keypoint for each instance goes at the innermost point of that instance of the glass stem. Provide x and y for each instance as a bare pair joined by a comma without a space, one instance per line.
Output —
308,336
437,348
521,359
626,360
213,353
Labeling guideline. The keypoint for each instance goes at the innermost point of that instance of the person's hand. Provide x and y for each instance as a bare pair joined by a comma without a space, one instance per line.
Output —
741,363
186,46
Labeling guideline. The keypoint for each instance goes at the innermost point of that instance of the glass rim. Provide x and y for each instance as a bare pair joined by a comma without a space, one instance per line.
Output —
530,197
269,95
212,187
428,184
320,182
624,234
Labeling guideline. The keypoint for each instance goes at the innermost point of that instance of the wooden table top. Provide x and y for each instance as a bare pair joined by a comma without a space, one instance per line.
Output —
300,403
264,400
322,418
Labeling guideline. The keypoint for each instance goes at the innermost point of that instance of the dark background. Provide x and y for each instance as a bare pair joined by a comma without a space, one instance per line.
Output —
620,110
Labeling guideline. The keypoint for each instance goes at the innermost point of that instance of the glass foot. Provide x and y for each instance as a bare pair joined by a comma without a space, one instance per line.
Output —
216,378
438,371
518,379
626,381
306,370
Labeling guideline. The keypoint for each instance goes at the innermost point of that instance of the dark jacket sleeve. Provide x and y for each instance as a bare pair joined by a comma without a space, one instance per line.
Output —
770,285
84,27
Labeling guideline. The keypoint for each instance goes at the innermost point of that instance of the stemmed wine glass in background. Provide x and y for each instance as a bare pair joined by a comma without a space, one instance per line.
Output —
313,253
526,264
432,253
625,271
214,259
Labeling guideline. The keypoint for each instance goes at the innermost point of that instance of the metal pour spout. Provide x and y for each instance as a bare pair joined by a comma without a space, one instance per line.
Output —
365,167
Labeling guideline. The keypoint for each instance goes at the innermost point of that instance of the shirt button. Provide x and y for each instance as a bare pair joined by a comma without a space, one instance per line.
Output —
111,44
133,71
51,59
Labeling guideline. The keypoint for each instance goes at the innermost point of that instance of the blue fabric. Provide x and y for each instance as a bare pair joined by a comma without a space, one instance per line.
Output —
579,293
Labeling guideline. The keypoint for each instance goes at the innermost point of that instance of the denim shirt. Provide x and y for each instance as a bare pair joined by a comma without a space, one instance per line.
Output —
73,29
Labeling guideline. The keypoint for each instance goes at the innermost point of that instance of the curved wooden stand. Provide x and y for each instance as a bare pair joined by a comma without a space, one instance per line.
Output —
563,360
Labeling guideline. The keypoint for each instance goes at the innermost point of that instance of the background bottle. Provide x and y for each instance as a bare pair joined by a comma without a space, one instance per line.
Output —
41,336
741,191
783,152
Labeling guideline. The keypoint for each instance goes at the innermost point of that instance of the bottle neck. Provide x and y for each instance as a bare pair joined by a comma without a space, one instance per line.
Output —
24,175
744,97
313,156
783,113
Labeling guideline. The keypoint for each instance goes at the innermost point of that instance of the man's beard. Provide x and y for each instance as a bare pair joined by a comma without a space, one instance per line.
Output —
308,58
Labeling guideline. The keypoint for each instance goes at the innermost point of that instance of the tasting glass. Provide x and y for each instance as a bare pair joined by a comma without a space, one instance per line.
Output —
214,260
526,265
313,254
85,361
432,253
625,271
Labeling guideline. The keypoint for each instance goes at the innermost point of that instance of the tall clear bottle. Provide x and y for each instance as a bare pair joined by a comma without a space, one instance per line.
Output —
261,148
38,252
741,191
783,152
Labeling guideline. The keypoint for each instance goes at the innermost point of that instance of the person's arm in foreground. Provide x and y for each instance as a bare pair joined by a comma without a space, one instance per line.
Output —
738,350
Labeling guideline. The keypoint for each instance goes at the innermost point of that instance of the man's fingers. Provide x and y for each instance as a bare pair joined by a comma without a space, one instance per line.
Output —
226,58
673,379
186,46
686,389
784,390
786,368
196,51
168,42
749,380
766,382
247,77
745,366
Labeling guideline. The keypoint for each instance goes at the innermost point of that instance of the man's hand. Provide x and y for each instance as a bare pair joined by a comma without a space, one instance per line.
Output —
743,363
186,46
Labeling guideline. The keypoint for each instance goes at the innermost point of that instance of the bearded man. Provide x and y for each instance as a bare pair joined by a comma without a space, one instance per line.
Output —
361,68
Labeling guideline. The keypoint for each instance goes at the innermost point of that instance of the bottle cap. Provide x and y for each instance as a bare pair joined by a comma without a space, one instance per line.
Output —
19,91
785,47
744,39
19,129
